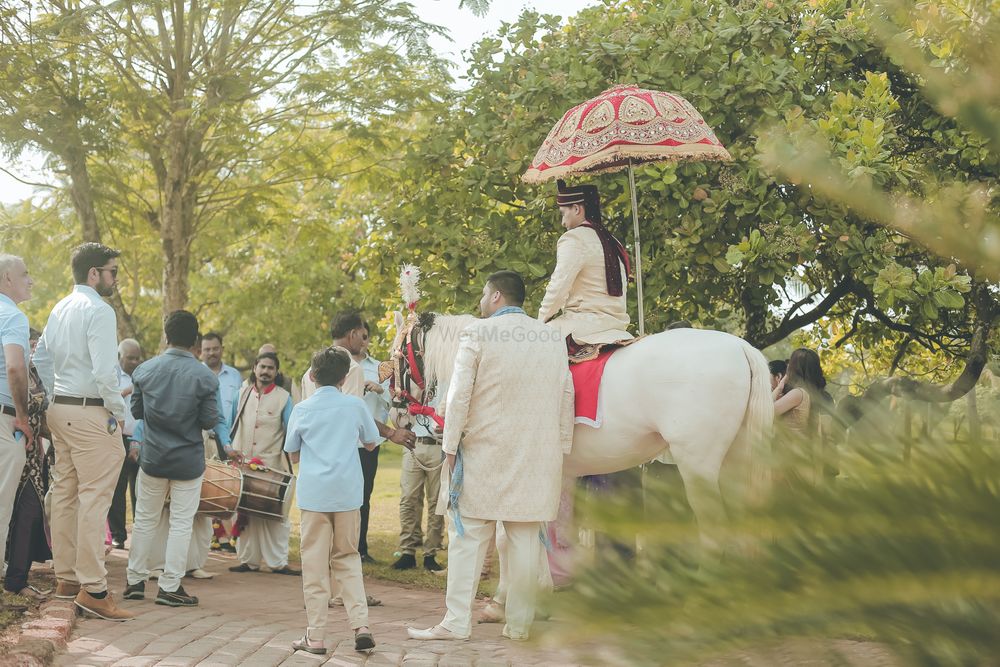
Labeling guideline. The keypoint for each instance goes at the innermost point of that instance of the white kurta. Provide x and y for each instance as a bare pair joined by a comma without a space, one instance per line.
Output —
579,289
510,404
261,434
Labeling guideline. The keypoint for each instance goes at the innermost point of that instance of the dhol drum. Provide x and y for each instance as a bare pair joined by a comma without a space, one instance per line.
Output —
220,489
266,493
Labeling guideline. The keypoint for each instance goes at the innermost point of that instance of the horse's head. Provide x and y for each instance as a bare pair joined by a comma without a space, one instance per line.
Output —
409,389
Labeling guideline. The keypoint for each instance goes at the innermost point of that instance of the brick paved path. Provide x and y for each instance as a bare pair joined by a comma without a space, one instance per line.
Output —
251,619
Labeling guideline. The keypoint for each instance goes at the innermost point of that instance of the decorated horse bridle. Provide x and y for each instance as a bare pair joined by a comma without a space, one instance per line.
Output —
408,366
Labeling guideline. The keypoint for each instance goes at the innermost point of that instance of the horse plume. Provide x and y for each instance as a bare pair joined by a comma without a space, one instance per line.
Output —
409,284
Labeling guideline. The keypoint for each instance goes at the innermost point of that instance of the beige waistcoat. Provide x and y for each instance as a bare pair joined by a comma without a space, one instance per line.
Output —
260,433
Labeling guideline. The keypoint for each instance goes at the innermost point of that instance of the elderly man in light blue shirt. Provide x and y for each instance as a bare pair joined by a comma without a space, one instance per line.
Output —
15,287
323,432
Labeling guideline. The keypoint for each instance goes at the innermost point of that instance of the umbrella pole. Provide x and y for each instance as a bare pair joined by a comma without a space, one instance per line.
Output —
637,253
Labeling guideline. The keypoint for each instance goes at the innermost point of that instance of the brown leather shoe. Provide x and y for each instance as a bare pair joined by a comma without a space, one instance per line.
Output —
106,608
66,590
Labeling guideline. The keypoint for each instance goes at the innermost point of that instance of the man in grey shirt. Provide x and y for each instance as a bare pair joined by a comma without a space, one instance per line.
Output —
175,396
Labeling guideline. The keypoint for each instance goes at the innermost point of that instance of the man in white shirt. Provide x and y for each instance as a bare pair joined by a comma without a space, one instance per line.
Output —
77,361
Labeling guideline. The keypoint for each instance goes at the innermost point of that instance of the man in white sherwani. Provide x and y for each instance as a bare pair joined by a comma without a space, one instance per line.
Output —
508,424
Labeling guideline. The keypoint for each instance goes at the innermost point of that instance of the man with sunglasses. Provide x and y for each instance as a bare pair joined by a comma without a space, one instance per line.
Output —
77,359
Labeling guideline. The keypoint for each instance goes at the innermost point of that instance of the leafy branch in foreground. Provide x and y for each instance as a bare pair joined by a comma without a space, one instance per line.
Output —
902,553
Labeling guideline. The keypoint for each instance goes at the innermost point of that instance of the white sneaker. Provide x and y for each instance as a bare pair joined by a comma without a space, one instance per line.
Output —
199,573
437,632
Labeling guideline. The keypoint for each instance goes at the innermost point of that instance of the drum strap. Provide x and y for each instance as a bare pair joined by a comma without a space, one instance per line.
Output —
239,414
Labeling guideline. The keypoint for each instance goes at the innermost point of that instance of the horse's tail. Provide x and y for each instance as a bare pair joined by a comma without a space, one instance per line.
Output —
756,429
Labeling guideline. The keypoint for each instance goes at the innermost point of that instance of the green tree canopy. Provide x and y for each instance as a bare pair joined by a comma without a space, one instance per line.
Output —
183,129
739,246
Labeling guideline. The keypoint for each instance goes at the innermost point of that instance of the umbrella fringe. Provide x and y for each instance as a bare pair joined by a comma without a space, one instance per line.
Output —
618,158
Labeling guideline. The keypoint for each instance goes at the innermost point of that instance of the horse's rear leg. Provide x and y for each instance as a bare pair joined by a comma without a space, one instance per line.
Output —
700,468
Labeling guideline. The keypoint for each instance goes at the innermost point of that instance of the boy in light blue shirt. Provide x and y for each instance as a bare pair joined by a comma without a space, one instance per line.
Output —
323,435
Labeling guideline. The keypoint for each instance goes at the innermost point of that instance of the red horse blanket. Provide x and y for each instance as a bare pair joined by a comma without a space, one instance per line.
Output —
587,384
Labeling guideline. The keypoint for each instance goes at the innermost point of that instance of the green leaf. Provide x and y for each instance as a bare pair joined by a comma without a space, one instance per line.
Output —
734,255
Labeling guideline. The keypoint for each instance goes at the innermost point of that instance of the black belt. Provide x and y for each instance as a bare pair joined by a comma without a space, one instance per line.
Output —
7,410
425,440
73,400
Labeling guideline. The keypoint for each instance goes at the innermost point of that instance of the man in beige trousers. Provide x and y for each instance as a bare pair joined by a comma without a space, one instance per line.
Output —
77,359
508,424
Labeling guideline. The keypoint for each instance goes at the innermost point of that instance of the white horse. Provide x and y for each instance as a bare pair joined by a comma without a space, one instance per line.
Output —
697,398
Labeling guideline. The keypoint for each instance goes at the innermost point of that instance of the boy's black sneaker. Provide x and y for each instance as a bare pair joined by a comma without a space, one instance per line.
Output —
135,591
176,598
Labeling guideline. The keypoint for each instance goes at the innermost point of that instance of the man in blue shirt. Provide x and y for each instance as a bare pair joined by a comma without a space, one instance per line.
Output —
324,431
229,378
230,381
175,396
15,434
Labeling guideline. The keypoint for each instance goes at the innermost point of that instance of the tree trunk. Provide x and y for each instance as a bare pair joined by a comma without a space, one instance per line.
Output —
907,431
81,192
175,221
177,211
975,429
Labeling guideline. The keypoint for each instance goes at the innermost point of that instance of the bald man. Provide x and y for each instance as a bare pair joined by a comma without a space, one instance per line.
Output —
129,357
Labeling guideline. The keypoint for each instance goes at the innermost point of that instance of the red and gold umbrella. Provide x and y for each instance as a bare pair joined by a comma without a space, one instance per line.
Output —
622,127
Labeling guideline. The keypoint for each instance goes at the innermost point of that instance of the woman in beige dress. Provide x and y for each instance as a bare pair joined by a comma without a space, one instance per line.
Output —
797,398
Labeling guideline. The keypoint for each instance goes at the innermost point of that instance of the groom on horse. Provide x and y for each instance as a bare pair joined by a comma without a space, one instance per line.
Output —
592,267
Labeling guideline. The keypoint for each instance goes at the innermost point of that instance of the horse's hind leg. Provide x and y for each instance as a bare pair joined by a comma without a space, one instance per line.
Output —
700,468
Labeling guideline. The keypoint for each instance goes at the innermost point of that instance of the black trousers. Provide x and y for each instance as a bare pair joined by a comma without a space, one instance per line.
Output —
27,539
126,479
369,466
